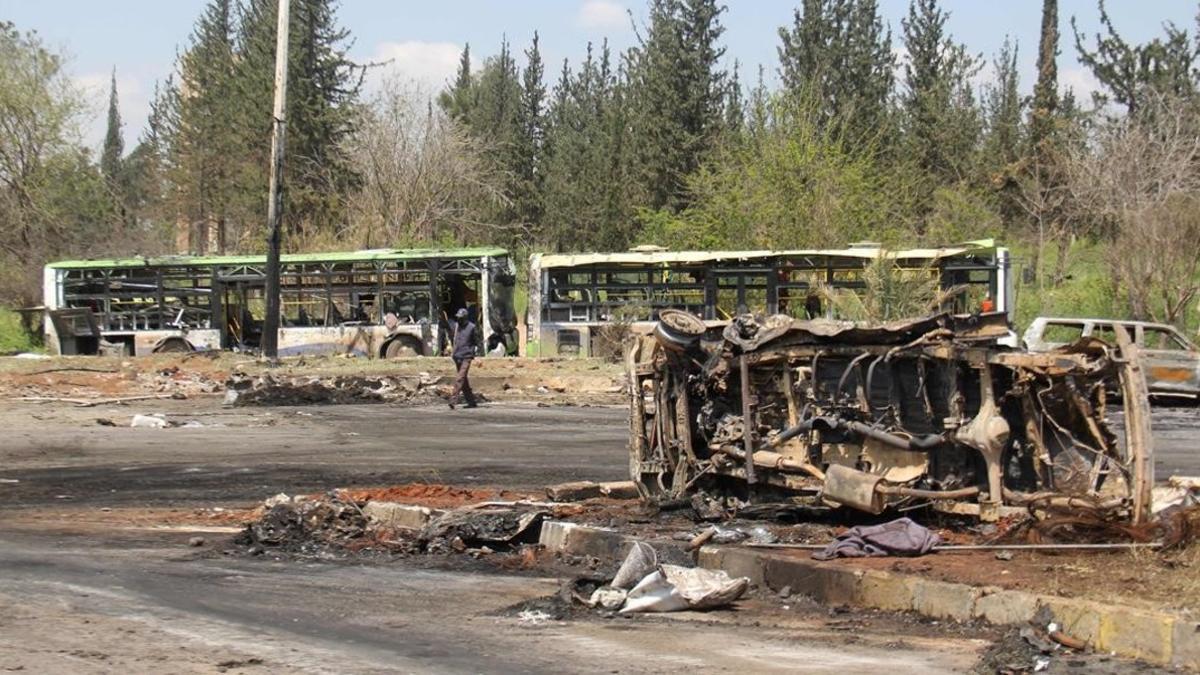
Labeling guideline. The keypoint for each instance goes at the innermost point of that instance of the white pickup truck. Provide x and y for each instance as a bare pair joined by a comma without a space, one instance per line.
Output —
1171,361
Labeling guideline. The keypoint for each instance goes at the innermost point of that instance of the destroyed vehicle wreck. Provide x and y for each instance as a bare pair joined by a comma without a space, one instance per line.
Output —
883,417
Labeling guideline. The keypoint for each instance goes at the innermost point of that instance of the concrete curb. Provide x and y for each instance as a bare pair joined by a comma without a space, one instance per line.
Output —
1158,637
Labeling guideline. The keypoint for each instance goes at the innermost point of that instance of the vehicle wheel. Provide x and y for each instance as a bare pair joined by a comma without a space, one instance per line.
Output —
401,348
173,345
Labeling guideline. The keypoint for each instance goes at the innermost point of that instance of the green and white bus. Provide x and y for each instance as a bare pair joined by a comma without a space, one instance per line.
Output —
375,303
573,296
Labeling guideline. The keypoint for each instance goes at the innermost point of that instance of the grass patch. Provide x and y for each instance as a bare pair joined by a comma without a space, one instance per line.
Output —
13,337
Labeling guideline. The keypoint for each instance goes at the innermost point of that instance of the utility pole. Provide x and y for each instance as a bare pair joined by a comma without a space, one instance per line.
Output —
270,335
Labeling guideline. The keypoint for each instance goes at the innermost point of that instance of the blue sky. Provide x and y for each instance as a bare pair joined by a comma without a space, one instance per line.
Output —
422,39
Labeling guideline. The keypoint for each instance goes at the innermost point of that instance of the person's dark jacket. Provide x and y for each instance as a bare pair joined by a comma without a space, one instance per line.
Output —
465,339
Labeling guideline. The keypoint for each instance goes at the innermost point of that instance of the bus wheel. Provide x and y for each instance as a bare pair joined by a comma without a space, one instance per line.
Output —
401,348
173,345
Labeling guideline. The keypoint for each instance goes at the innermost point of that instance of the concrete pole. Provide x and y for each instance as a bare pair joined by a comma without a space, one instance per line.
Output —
270,336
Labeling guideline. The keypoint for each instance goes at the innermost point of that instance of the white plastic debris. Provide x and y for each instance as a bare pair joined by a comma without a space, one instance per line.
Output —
148,422
654,594
608,598
640,561
671,588
30,355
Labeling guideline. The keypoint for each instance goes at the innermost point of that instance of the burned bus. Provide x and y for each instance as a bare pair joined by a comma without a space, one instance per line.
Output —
376,303
572,297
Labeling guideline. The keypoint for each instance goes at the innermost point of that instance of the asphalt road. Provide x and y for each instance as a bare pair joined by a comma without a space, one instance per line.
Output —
77,597
132,606
246,454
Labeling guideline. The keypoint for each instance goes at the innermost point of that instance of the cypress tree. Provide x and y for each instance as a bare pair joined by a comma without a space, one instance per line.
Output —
1045,90
457,101
114,144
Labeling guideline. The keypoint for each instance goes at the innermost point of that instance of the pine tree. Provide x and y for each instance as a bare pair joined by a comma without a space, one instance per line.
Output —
586,188
114,144
530,139
199,134
1002,146
941,120
323,90
1003,106
677,90
838,54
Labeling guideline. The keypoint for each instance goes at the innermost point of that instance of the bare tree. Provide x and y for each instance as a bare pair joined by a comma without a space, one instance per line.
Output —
1139,178
424,178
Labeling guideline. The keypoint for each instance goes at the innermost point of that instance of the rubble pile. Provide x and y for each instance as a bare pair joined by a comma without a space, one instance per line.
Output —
268,389
303,525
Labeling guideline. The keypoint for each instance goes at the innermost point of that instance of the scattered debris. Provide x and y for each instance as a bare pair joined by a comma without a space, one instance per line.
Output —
474,526
196,541
268,389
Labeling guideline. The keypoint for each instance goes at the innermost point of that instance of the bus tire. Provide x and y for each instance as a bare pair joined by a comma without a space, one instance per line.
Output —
173,345
401,347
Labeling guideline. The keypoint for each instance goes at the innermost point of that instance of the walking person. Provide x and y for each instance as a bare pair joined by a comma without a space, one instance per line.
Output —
466,336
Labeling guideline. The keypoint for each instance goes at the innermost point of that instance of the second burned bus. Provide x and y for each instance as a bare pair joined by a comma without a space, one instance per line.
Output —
571,296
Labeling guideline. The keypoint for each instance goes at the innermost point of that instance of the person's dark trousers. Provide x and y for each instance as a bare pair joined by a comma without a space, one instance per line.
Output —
462,383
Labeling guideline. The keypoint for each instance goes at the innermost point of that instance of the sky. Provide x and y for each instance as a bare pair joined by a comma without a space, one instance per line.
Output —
422,40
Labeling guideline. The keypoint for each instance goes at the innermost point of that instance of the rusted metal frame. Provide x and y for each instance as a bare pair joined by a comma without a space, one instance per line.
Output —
637,396
683,432
1033,434
790,394
747,418
1138,438
792,353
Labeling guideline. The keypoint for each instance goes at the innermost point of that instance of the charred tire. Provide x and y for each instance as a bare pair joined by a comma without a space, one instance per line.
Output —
401,347
174,345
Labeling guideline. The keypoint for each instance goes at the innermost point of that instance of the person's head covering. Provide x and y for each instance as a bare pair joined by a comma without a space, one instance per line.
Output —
461,313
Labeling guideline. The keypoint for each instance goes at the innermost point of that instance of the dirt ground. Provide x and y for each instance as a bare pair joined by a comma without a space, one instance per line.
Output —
95,517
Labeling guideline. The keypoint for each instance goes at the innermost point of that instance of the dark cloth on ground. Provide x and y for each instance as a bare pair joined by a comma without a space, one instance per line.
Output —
901,537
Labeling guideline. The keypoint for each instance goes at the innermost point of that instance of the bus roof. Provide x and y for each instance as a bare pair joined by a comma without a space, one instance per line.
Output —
983,246
333,256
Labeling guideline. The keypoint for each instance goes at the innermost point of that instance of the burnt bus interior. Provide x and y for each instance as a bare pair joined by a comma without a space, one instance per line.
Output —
722,289
231,297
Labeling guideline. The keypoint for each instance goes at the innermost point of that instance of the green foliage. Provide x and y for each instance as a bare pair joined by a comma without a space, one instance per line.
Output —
889,293
791,184
1129,72
940,117
13,336
838,53
677,92
1088,289
960,213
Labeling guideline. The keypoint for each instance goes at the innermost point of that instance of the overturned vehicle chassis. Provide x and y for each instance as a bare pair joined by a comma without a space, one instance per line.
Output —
932,411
